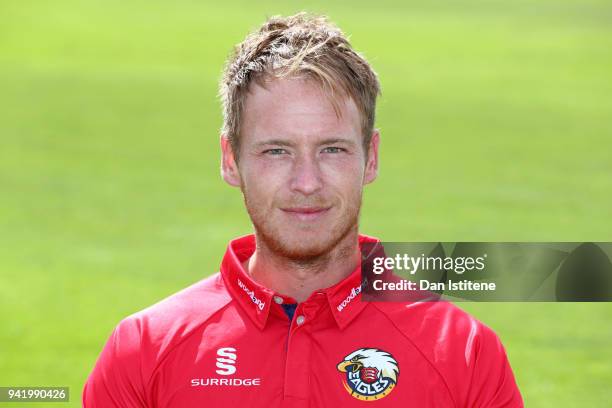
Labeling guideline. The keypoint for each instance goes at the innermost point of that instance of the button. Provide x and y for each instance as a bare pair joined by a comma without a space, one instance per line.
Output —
300,319
278,300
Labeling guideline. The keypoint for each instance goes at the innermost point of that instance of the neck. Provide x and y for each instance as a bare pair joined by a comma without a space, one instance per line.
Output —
300,279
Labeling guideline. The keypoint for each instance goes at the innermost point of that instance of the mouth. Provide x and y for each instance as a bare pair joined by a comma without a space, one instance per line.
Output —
306,213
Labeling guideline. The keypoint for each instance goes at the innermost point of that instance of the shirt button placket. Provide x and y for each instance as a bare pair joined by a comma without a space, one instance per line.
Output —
297,367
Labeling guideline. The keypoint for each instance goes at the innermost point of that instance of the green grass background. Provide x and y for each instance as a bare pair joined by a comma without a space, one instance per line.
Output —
496,125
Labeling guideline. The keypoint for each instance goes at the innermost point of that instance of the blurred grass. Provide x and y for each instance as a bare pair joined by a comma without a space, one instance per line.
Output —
495,120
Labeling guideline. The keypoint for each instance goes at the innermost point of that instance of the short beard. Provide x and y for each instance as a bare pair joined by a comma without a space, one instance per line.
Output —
310,255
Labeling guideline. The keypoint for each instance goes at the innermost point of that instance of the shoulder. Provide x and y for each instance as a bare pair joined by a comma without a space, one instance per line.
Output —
185,309
440,330
141,341
466,353
153,332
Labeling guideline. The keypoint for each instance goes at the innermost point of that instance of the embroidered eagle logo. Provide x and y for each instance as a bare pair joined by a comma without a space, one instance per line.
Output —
371,374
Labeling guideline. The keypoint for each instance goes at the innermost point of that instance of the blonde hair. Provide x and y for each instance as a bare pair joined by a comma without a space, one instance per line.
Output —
302,44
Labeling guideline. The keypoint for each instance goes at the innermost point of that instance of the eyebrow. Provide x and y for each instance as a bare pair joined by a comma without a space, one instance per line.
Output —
276,142
282,142
337,140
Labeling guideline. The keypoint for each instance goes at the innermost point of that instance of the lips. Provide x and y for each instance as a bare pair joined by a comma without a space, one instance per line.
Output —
306,210
306,213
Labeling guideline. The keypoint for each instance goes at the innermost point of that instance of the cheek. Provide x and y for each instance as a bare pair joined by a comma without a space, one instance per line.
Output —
271,169
261,182
346,193
347,163
345,176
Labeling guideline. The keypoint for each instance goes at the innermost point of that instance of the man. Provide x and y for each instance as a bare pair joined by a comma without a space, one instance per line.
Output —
282,324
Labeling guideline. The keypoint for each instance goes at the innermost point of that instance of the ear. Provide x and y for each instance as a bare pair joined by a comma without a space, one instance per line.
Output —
371,169
229,167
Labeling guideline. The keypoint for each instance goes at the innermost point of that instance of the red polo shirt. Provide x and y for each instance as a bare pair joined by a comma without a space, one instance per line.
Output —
228,340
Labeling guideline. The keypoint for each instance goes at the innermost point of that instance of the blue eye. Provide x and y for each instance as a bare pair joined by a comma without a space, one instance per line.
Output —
333,149
275,152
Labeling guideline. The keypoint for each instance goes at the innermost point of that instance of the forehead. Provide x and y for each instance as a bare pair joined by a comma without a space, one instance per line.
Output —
297,108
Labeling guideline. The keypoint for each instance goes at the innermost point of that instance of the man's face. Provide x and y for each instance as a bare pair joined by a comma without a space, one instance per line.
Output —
301,167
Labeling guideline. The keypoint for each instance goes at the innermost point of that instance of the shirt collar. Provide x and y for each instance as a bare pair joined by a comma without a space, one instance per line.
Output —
344,298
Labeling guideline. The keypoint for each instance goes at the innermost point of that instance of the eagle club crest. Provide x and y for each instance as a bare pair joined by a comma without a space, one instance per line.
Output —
371,374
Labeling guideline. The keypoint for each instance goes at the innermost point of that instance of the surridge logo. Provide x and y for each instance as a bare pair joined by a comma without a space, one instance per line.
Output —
225,363
352,295
370,374
251,294
226,360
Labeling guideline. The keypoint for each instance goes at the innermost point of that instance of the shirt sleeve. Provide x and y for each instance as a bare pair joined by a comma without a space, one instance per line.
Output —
116,380
493,384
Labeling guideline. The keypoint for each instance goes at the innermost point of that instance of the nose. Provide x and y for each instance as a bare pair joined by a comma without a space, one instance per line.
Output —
306,177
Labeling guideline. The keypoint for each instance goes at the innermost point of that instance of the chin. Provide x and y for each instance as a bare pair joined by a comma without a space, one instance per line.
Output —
299,247
302,244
